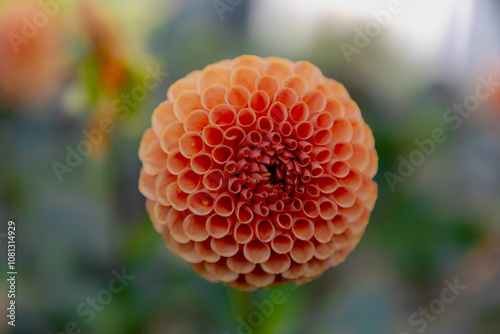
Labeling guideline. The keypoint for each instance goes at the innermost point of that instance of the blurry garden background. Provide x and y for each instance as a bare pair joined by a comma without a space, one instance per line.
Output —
71,68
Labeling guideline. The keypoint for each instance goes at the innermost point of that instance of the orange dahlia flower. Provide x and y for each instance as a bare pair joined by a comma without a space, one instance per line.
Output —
32,54
259,172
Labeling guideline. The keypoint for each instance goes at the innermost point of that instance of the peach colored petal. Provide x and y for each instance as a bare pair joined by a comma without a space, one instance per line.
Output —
222,115
239,264
213,135
162,116
204,251
214,75
278,68
234,136
256,251
243,233
340,169
224,204
276,264
322,137
170,136
176,197
244,76
353,180
282,244
264,230
190,144
237,96
250,61
268,84
195,228
180,87
222,154
344,197
246,118
188,180
258,101
287,96
335,107
225,246
303,229
264,124
244,213
259,278
343,151
303,130
185,103
199,268
147,138
218,226
322,154
201,163
154,159
297,83
213,96
200,202
221,271
315,100
309,72
147,185
323,230
197,120
176,162
342,129
163,179
302,251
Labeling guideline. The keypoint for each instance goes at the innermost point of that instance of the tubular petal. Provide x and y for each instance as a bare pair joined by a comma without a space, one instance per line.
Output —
315,100
170,136
162,116
256,251
282,244
237,96
287,96
195,228
239,264
222,115
302,251
258,101
225,246
244,76
213,96
196,121
185,103
200,202
190,143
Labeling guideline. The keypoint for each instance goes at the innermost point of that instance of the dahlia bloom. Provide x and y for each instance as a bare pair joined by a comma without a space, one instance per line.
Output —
32,61
258,172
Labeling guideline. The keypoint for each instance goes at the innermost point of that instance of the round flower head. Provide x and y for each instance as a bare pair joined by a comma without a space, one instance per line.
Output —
258,172
32,61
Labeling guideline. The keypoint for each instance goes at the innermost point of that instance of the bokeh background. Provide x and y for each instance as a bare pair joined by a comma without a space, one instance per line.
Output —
75,65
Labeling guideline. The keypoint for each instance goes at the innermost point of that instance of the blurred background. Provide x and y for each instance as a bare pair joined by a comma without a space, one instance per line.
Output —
70,67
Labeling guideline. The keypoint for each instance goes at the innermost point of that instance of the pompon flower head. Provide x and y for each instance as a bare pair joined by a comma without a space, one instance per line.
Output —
33,64
258,172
